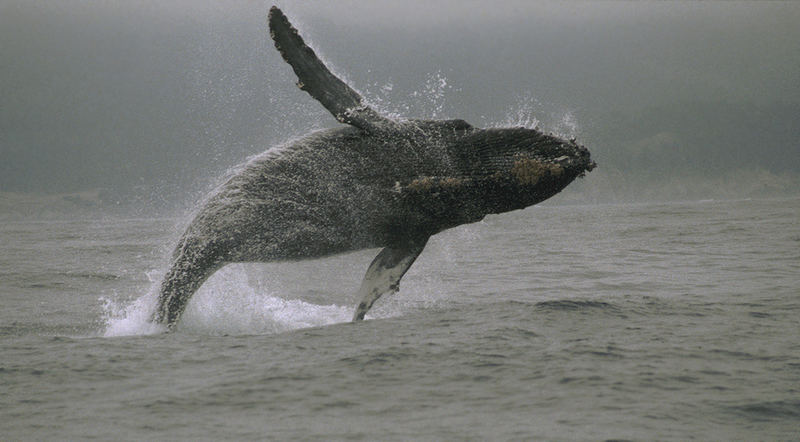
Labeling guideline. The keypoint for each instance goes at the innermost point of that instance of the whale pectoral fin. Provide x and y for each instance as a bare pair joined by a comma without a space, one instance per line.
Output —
314,77
385,272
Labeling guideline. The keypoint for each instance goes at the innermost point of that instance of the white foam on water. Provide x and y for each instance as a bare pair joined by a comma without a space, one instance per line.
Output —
130,318
228,304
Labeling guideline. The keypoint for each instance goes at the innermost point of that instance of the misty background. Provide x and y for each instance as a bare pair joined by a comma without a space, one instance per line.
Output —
141,107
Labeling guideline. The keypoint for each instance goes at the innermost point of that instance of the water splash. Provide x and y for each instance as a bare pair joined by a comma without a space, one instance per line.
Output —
248,299
229,304
563,123
379,96
522,114
567,125
130,318
429,102
436,88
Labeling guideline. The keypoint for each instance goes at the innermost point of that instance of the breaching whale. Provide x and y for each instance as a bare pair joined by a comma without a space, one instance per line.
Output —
374,182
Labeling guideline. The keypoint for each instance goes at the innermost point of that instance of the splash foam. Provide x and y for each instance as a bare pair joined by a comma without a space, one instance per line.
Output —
229,304
130,319
226,304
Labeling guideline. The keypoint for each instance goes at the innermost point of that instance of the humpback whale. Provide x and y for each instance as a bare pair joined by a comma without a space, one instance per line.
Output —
372,182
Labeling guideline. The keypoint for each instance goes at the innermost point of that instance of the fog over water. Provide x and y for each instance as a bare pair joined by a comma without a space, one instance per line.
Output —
140,107
666,311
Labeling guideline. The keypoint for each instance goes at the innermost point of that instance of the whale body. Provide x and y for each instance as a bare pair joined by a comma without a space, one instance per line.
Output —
373,182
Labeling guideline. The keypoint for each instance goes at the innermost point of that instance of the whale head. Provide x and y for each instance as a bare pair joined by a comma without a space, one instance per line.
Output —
518,167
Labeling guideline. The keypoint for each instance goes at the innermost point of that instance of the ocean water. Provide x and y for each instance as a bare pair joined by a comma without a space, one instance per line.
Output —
666,321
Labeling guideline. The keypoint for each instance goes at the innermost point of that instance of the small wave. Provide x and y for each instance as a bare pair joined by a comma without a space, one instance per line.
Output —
380,358
770,410
570,305
97,276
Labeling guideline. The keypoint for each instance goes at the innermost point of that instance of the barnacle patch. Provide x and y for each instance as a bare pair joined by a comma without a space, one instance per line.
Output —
426,183
528,171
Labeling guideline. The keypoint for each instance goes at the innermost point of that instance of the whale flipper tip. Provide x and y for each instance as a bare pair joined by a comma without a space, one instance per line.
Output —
384,273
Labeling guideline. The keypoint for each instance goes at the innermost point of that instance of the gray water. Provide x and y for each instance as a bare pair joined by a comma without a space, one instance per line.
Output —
651,321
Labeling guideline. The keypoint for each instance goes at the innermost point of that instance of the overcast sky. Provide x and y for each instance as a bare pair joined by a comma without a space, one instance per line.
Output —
166,95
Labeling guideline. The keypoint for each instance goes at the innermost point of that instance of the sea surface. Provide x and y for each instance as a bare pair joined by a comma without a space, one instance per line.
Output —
669,321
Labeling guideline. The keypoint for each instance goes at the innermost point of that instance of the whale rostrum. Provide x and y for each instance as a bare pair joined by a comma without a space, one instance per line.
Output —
372,182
